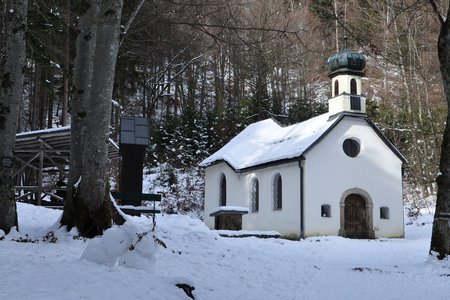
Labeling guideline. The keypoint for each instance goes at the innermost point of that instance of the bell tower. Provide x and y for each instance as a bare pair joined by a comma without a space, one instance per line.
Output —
346,69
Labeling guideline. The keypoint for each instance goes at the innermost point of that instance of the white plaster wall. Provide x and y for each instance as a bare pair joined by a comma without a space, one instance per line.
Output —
235,190
342,103
286,221
329,172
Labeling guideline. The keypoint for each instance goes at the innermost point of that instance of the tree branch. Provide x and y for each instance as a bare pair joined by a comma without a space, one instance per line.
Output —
436,11
236,28
130,20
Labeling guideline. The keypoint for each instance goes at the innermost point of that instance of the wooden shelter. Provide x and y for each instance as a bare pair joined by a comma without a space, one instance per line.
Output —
41,161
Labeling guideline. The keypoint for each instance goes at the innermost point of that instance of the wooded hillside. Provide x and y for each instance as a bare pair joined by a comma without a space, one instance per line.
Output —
202,70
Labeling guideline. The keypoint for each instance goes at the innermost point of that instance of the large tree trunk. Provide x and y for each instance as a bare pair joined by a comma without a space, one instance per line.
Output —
440,239
89,209
66,72
84,59
11,65
94,175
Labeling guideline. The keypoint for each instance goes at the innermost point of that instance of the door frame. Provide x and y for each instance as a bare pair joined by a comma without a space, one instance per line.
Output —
369,211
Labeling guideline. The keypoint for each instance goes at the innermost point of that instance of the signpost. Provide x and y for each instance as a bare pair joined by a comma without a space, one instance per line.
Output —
134,139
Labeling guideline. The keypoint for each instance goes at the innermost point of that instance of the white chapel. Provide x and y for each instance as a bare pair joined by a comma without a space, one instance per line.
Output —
334,174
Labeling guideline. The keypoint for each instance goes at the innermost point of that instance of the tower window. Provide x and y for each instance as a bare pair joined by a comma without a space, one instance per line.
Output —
223,190
355,103
336,88
353,89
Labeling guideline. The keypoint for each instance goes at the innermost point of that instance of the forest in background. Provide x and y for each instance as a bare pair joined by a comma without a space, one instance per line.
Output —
203,70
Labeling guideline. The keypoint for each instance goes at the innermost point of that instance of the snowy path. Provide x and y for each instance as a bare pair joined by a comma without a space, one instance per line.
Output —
316,268
223,268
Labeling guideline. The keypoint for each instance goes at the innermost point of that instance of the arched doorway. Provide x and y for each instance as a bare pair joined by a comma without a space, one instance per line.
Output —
356,214
355,217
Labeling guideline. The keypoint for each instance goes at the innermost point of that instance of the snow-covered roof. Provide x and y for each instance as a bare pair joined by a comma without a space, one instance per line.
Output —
27,134
55,142
267,141
229,209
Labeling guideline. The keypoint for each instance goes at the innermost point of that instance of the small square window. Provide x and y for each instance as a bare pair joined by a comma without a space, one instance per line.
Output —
384,212
355,103
325,211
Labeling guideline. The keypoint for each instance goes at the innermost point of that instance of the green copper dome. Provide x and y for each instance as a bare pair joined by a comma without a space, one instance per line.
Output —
346,61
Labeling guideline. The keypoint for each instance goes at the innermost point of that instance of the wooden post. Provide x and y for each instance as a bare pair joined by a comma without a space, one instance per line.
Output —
40,171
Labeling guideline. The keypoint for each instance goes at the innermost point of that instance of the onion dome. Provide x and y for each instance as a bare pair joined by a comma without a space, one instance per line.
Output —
346,62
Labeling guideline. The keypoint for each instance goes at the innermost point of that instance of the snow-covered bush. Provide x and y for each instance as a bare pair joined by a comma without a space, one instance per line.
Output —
128,245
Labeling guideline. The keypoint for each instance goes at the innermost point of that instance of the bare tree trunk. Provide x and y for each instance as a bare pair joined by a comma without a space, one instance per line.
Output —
89,209
34,105
50,111
336,15
418,168
440,239
85,47
65,101
42,99
95,159
10,95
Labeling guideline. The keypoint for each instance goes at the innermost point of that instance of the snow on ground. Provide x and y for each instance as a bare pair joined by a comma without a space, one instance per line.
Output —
219,268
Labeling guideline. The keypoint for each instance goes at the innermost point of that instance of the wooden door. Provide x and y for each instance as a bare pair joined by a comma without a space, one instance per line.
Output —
355,217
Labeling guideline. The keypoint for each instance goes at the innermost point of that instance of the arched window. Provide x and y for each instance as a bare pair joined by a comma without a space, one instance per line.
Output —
353,89
223,190
336,88
255,195
277,192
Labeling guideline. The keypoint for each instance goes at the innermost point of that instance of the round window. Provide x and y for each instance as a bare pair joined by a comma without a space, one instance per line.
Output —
351,147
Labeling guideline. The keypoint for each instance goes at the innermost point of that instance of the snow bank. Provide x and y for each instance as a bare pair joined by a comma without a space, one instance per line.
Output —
129,245
218,268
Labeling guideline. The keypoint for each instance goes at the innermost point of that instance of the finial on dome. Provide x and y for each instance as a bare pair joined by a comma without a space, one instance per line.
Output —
345,43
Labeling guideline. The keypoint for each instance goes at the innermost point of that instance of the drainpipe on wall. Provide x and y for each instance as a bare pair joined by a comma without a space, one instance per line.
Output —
301,165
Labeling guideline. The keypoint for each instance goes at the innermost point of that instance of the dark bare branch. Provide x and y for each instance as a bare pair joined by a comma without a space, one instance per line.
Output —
436,11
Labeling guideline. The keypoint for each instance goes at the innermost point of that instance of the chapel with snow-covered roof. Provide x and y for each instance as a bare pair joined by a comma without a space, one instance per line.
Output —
334,174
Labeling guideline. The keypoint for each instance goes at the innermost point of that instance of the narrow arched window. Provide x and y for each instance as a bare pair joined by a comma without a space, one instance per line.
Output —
223,190
255,194
336,88
353,89
277,192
